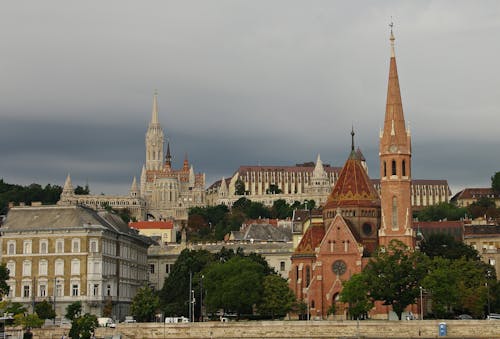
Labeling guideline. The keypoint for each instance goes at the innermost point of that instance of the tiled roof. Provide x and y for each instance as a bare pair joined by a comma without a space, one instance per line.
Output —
482,230
353,187
311,239
143,225
475,193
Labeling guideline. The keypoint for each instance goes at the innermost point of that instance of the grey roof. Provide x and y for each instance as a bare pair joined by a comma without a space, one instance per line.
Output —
266,232
55,217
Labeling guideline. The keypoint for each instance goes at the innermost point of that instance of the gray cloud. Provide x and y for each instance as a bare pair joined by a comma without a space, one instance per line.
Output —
243,82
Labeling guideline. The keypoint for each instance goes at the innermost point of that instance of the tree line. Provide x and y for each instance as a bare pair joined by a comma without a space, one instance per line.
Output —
214,222
47,195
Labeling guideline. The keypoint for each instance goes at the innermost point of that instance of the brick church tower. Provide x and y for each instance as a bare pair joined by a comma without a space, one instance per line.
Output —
395,166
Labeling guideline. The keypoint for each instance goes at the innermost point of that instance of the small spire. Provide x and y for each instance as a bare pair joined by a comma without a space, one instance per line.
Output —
352,137
68,184
393,54
168,158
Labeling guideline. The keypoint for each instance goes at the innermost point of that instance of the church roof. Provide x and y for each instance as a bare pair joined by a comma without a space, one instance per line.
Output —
353,187
311,239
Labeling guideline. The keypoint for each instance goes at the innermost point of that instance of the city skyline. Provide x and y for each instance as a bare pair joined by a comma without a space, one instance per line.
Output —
243,84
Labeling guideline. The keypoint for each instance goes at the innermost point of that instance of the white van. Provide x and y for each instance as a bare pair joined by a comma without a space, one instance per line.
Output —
175,320
106,322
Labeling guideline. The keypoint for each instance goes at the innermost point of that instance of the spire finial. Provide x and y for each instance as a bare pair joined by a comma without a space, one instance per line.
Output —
391,25
352,136
154,115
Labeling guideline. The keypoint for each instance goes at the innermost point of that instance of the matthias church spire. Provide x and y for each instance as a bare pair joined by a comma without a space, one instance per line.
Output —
154,139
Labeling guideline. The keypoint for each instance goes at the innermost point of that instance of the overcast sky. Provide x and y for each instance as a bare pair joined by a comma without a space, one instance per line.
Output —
244,83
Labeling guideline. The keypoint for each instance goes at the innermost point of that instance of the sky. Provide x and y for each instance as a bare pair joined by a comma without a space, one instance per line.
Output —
244,83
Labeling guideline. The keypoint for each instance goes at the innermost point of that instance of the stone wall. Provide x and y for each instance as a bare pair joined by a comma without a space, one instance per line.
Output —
295,329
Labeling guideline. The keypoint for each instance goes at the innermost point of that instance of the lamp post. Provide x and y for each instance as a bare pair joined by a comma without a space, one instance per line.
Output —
421,304
201,297
193,302
55,299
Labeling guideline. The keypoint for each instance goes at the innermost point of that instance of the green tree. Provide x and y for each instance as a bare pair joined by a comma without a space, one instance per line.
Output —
355,294
4,276
441,211
175,291
82,327
495,182
79,190
281,209
394,274
444,245
145,304
239,187
277,298
28,321
235,285
73,310
273,189
45,310
442,283
16,308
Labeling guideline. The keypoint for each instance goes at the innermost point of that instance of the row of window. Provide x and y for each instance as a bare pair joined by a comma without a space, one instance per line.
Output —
43,267
43,246
394,168
42,289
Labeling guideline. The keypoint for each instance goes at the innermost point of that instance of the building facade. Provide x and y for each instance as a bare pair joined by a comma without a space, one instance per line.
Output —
356,218
64,254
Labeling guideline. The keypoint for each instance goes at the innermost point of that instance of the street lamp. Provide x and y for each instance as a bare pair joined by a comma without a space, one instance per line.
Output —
421,304
201,297
193,301
55,299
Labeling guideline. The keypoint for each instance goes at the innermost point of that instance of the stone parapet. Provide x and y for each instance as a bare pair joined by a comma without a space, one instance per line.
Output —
296,329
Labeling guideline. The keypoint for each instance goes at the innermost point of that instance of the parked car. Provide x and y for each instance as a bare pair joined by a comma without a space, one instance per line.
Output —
129,319
464,317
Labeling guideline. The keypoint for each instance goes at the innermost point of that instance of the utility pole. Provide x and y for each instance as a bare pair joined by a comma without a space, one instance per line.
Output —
190,285
201,298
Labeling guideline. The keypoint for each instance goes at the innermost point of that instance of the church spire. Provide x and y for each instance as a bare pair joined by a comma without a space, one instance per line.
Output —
186,162
168,158
395,164
154,114
68,185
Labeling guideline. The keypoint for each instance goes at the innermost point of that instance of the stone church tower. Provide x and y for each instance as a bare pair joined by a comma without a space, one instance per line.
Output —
395,166
154,140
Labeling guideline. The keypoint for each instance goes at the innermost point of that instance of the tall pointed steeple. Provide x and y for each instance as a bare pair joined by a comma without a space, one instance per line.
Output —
395,165
319,172
168,157
154,140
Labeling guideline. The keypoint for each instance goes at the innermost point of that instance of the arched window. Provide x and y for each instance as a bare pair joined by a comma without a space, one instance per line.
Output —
385,169
308,276
394,213
43,246
393,167
404,168
75,245
26,268
12,247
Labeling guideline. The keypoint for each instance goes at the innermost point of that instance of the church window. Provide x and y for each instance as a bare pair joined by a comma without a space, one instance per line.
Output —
404,168
394,167
395,213
308,276
385,169
367,228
